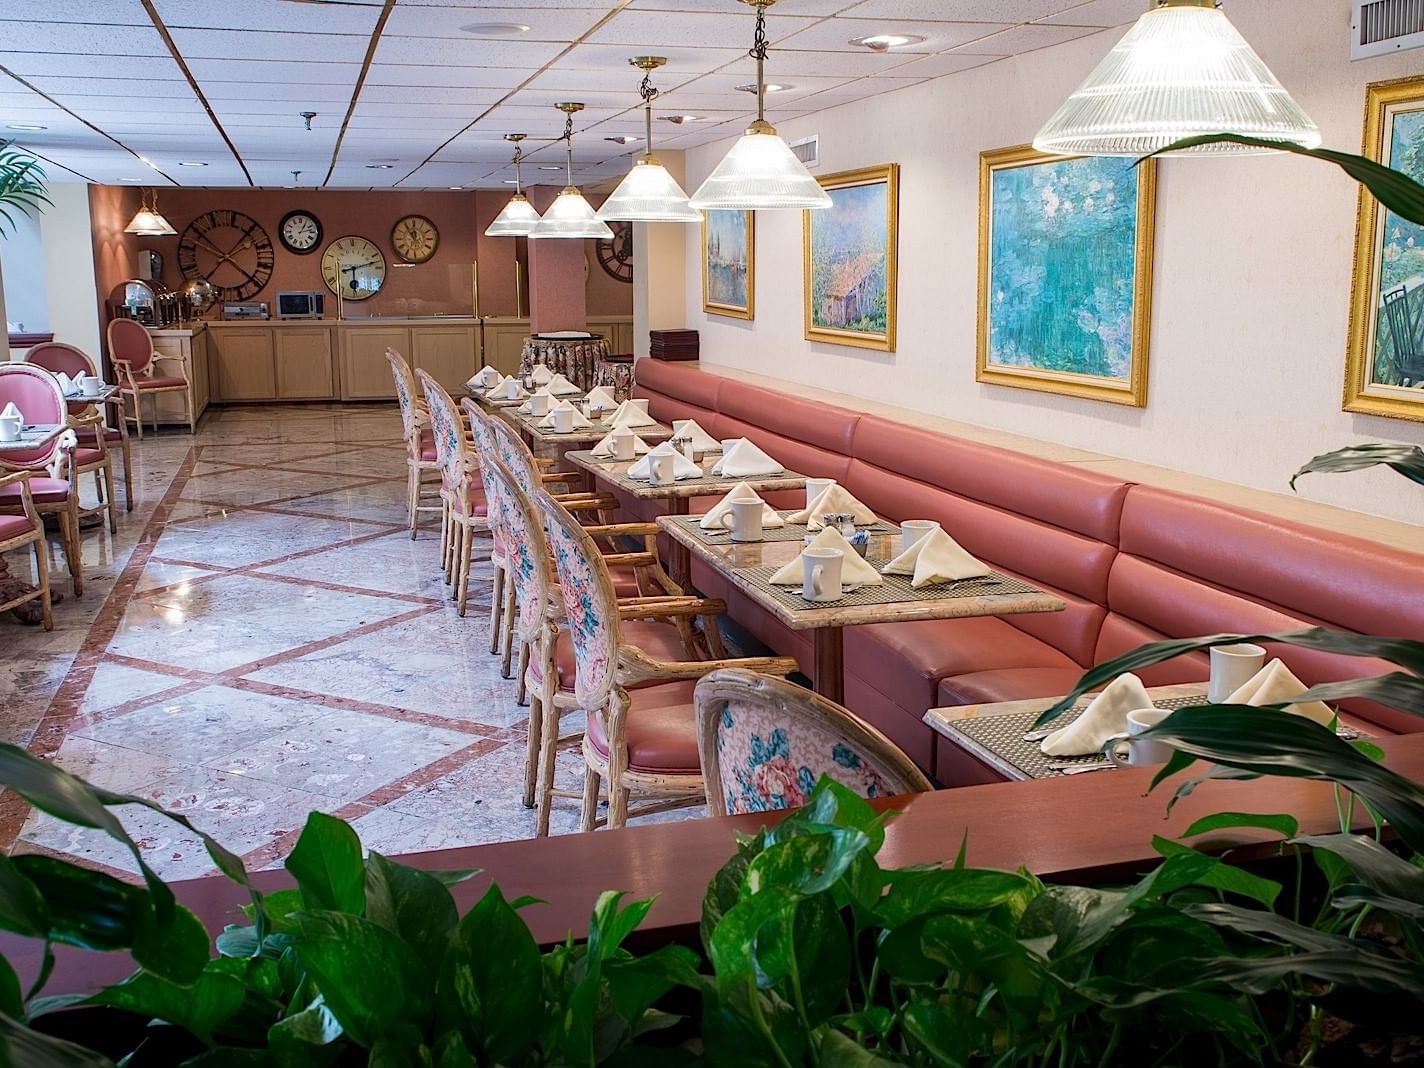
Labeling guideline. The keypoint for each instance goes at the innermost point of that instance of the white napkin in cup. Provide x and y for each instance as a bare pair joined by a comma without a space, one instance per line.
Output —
854,572
935,558
682,467
580,421
1275,683
719,516
701,440
67,385
599,397
834,498
11,412
604,449
629,414
1105,716
484,378
541,374
496,392
745,461
528,406
560,386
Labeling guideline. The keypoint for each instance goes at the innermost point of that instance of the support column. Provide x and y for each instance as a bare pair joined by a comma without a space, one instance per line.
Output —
659,263
557,278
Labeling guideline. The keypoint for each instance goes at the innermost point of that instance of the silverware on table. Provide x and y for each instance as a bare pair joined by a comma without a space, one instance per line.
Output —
1078,769
1038,735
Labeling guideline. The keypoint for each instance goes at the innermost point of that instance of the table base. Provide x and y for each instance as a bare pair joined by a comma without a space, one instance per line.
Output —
31,613
829,666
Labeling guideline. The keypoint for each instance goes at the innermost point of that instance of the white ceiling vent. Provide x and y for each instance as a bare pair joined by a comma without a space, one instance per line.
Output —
807,150
1379,27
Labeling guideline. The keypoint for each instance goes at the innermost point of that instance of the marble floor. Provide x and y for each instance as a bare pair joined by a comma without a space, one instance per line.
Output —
261,638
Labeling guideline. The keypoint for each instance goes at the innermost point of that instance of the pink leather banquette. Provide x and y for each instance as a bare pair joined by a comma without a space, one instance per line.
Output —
1133,563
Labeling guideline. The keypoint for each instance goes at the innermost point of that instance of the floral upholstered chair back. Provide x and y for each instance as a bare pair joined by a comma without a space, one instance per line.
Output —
764,743
412,417
486,450
451,451
590,607
526,550
515,455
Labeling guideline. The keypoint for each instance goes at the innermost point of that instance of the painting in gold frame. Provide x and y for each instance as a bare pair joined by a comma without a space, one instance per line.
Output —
1065,273
850,253
729,263
1384,365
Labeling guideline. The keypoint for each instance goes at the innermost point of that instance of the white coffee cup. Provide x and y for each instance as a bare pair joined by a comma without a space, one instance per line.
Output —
1232,667
623,443
1126,750
539,404
815,487
727,444
821,578
90,385
563,420
662,468
746,519
511,389
913,531
10,427
641,404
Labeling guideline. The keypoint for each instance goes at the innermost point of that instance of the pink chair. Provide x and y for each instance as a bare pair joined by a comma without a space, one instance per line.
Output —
420,456
466,513
87,422
135,361
502,592
17,531
37,394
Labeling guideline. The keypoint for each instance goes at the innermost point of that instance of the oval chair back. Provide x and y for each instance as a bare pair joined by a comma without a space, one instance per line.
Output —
130,343
406,394
56,358
36,393
451,450
515,455
764,742
526,548
486,449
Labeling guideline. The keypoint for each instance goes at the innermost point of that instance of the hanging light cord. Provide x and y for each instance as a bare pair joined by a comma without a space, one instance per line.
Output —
569,144
649,94
518,155
758,53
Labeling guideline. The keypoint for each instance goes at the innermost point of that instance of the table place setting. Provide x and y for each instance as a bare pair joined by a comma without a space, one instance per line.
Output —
745,460
599,397
80,387
564,418
633,414
538,403
560,386
741,513
506,389
825,496
664,464
620,443
689,431
485,378
540,374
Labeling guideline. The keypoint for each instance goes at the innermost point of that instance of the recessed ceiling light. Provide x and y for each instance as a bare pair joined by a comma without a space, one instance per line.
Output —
550,167
26,126
130,179
495,29
771,87
379,166
626,139
455,187
509,181
678,120
883,42
191,163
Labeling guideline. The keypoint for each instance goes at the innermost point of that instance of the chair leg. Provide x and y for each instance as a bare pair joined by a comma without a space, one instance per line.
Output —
506,665
69,538
590,800
522,697
413,496
549,755
137,415
108,473
496,609
532,743
192,412
467,552
445,539
42,575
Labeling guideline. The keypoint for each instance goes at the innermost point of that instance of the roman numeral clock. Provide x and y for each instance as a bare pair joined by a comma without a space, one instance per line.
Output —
228,249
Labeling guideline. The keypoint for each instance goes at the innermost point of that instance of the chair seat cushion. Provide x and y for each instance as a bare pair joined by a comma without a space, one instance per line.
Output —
156,382
427,454
44,491
1006,684
84,457
86,434
661,733
661,641
14,526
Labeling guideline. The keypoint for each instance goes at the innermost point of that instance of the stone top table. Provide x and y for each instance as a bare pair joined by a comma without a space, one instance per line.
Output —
106,393
748,566
32,437
545,436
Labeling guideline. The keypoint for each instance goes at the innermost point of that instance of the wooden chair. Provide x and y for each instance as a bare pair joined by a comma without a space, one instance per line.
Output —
132,353
420,456
640,734
27,528
91,455
465,510
765,742
37,394
502,591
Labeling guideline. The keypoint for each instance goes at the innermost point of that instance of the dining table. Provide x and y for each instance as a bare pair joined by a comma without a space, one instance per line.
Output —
31,437
749,567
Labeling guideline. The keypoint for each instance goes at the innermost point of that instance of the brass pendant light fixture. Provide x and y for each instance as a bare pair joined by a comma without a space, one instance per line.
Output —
147,222
570,215
648,193
518,217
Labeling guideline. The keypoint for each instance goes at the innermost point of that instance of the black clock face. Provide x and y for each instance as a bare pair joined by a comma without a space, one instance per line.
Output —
229,250
300,232
615,254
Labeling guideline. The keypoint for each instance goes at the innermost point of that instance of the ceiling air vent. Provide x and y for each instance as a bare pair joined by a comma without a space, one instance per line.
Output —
1379,27
807,150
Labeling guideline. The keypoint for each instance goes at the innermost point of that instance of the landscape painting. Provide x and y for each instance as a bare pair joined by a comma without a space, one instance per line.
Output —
850,252
729,264
1065,273
1385,362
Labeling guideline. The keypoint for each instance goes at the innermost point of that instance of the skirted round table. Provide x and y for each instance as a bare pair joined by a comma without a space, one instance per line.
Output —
584,361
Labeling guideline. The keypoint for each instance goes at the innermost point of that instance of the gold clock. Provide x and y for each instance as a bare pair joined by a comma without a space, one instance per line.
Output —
414,238
353,267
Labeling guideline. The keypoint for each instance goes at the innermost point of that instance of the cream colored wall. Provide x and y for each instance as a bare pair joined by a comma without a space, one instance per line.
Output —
659,301
1252,284
67,244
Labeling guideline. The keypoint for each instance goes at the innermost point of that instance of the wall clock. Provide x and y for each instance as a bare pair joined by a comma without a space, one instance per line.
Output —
229,250
353,267
300,232
615,254
414,238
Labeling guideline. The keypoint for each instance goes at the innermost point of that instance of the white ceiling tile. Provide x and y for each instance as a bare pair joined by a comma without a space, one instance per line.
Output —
785,7
611,100
792,63
1099,13
293,47
469,51
722,30
427,94
292,108
959,10
371,108
291,72
939,66
277,15
681,59
173,107
297,97
84,39
445,77
105,12
1022,39
625,80
546,24
81,64
150,87
835,35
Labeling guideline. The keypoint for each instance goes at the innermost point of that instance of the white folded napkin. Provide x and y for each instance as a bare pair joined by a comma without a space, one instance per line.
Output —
629,414
599,397
11,412
484,378
854,572
528,406
745,461
682,467
1275,683
560,386
542,375
719,516
497,391
1105,716
66,384
935,558
834,498
580,420
604,449
701,440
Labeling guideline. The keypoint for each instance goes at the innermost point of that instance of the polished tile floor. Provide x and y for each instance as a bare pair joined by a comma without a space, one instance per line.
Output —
261,639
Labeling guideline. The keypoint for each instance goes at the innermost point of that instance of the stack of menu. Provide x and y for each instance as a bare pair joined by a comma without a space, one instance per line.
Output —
672,344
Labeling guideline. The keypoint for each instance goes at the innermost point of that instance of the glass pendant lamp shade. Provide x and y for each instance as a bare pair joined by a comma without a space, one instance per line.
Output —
570,215
648,193
759,172
147,222
517,219
1182,70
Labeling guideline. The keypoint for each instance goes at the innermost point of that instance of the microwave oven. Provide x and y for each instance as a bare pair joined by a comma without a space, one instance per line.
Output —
308,305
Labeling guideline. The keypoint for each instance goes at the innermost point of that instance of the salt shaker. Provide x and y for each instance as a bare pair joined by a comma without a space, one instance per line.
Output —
846,522
685,446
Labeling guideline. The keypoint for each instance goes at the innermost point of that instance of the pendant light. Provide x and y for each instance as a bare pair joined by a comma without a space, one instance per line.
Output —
760,171
518,217
570,215
146,221
1182,70
648,193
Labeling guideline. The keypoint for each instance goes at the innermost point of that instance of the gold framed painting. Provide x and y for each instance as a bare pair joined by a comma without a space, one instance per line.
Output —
1384,365
850,252
1065,273
729,263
